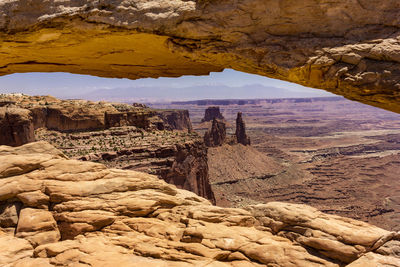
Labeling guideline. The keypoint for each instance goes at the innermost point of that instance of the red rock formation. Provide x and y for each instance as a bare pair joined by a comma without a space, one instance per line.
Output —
16,126
217,135
179,158
240,133
211,113
129,118
176,119
190,170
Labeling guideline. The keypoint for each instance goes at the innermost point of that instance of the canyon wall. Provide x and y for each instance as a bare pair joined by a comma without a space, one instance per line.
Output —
125,136
177,158
16,126
176,119
350,48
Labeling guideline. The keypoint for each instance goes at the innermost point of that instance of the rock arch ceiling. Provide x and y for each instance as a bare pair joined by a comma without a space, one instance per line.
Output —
348,47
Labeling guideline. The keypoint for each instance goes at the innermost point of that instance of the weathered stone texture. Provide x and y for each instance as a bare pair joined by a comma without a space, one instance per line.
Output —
101,217
240,133
216,135
351,48
176,119
212,113
16,126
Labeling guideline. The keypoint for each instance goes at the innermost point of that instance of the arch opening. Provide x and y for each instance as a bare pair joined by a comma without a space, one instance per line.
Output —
300,137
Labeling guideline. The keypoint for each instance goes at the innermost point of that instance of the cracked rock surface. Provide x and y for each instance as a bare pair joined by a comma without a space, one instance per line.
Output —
60,212
350,48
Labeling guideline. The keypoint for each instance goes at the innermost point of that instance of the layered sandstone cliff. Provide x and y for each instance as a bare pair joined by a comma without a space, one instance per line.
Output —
351,48
118,135
60,212
78,115
180,158
176,119
16,126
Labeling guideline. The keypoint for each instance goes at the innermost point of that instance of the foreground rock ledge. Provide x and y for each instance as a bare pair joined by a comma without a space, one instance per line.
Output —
61,212
350,48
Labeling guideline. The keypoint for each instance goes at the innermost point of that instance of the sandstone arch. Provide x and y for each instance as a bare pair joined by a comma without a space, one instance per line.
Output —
348,47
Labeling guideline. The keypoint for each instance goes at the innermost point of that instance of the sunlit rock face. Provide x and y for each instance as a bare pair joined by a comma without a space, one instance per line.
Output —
351,48
60,212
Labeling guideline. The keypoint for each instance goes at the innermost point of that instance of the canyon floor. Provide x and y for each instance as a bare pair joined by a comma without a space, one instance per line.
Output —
337,155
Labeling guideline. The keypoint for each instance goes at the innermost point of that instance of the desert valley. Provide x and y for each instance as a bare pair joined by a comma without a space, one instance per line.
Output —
339,156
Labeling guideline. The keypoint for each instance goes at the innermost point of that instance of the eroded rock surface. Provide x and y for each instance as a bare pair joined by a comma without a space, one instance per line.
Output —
75,115
16,126
240,133
216,135
351,48
212,113
176,119
98,216
124,136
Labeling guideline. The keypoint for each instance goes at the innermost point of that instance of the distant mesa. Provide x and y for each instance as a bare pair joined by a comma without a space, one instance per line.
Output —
211,113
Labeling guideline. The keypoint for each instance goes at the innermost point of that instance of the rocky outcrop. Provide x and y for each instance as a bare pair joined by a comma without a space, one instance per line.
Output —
81,213
177,157
125,136
189,170
217,135
16,126
348,48
176,119
212,113
241,136
79,115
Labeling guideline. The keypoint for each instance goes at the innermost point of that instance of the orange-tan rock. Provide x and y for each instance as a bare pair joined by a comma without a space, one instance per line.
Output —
351,48
74,213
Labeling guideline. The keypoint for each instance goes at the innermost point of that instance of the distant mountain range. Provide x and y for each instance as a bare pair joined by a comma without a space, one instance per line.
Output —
165,94
224,102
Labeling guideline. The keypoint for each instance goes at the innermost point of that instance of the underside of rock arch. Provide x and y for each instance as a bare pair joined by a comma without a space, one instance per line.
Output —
348,47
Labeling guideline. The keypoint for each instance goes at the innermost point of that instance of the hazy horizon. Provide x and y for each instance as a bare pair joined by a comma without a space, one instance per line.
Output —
228,84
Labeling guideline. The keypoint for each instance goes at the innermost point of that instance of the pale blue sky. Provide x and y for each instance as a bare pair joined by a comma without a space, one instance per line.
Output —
69,85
